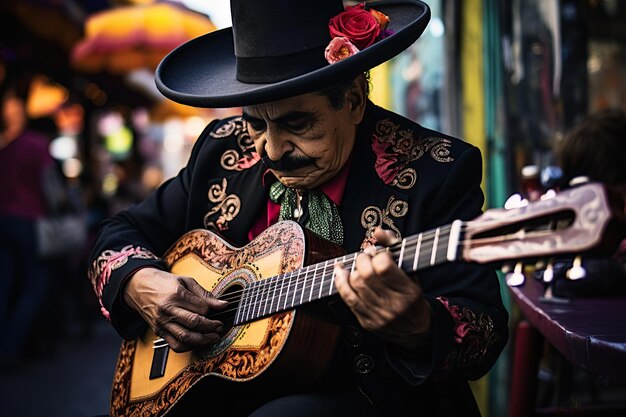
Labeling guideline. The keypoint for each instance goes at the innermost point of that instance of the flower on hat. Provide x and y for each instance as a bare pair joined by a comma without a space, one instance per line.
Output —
381,18
358,28
339,48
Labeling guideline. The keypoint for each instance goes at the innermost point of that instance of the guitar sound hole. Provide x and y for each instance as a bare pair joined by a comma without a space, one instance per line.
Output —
232,294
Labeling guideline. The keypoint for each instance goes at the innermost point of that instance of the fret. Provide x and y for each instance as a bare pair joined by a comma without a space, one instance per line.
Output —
353,263
271,292
304,284
273,297
453,242
248,300
295,290
312,283
267,285
332,277
255,302
401,253
280,294
251,300
322,283
442,247
259,298
287,292
434,252
319,281
417,251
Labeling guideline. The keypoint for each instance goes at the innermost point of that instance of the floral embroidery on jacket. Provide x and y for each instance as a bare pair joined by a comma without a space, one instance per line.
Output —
233,160
474,335
373,217
228,205
109,261
395,148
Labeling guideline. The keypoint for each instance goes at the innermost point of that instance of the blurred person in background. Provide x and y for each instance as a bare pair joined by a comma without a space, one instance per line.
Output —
595,148
29,181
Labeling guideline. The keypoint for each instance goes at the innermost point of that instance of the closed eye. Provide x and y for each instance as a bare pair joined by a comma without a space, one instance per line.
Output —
295,122
298,126
254,123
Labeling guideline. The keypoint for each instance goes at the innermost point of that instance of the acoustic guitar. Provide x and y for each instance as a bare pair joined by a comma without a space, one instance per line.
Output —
269,340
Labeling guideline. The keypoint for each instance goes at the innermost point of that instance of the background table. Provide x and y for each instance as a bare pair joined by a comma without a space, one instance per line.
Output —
589,332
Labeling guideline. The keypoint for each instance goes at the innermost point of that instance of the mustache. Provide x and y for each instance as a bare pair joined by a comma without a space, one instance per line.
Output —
287,162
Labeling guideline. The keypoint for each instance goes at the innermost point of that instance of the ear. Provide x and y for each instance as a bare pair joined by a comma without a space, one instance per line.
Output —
357,98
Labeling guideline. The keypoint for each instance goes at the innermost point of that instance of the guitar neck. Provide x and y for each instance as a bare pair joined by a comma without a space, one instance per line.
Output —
314,282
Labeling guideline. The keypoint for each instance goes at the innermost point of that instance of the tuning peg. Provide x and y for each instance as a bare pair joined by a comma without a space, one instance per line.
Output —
580,180
548,194
515,201
576,271
506,268
548,273
516,278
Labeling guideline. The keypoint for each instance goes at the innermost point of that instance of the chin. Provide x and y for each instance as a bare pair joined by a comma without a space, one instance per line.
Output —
298,181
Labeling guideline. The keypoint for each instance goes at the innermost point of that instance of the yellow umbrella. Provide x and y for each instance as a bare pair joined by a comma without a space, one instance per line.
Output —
137,36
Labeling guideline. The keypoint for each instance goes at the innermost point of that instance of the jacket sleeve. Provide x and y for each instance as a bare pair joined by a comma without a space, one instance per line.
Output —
137,238
469,328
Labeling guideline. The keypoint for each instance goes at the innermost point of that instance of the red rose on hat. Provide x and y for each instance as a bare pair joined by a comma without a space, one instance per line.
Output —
356,24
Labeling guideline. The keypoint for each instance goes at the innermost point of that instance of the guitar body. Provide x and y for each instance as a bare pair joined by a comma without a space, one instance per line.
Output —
286,347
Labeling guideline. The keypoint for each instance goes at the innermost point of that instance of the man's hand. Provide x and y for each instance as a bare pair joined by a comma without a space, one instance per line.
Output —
175,307
383,298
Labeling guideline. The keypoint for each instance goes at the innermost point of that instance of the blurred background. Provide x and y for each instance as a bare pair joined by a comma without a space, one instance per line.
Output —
509,76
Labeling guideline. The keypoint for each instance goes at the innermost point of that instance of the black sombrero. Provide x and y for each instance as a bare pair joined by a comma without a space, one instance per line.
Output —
275,50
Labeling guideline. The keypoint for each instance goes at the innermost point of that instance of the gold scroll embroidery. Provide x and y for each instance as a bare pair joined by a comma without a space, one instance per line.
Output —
228,205
230,160
373,217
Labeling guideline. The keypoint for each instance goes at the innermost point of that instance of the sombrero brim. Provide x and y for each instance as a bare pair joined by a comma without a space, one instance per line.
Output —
202,72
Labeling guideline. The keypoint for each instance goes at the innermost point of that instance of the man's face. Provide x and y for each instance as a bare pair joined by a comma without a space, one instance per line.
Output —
303,139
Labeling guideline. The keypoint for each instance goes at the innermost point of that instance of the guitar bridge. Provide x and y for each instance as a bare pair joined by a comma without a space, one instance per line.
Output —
159,358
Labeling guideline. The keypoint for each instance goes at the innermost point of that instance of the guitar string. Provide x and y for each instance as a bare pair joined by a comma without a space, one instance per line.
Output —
426,245
262,287
265,288
427,242
258,306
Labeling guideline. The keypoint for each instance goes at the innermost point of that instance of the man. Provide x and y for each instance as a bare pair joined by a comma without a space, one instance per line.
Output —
311,147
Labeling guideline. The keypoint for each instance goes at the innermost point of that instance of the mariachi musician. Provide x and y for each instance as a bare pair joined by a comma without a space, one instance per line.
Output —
311,147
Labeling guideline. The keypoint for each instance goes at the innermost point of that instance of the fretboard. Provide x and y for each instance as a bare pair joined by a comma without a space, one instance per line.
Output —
314,282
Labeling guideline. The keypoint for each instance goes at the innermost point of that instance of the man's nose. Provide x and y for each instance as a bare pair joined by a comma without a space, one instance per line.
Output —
276,147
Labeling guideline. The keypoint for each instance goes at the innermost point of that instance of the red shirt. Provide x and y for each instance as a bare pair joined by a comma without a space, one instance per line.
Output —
333,189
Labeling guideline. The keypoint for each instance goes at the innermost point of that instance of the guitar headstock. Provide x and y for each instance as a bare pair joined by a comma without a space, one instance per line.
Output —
583,220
